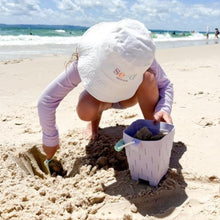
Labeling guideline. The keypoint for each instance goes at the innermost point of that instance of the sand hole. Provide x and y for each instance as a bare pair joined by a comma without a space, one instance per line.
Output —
32,162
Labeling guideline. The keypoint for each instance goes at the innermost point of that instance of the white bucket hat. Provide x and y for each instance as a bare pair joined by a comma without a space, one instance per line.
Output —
113,57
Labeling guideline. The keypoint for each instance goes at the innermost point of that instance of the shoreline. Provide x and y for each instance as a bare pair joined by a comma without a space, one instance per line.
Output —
26,51
189,190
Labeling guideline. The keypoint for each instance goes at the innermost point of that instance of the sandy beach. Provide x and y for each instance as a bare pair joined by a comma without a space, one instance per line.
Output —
103,189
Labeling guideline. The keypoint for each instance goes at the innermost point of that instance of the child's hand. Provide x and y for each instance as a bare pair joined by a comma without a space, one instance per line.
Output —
50,151
162,116
54,167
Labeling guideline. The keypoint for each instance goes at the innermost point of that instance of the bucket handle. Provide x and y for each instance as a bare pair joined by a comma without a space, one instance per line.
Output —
120,145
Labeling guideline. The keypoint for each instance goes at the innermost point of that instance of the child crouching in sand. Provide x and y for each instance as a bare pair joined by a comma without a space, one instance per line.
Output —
117,67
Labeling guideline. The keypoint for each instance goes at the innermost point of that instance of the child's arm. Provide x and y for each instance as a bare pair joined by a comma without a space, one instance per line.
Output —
49,101
164,105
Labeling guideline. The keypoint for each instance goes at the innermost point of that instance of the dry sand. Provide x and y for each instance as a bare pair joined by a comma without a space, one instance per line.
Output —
98,185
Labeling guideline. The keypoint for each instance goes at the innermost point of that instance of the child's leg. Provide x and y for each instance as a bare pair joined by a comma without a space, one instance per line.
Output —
90,109
148,95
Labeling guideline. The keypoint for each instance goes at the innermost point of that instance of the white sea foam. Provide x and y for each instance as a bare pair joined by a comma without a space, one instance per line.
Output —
162,37
60,31
166,37
20,40
41,40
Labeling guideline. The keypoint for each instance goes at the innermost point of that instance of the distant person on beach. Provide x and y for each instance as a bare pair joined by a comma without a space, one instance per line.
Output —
116,63
216,32
207,32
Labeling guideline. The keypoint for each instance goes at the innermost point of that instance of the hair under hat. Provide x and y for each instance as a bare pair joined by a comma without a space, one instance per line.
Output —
113,56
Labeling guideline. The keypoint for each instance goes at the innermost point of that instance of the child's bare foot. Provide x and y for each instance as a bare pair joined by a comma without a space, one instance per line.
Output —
89,133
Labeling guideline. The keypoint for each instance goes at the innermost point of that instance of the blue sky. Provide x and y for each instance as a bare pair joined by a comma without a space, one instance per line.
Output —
156,14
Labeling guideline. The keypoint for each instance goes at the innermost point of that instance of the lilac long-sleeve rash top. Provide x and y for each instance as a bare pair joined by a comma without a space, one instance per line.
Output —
68,80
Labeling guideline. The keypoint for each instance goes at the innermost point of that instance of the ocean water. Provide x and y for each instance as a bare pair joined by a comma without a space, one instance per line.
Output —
19,41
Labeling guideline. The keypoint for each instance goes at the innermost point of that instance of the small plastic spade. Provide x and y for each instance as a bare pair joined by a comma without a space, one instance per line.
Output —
120,145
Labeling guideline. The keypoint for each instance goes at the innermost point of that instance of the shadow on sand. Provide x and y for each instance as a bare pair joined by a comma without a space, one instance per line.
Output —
163,199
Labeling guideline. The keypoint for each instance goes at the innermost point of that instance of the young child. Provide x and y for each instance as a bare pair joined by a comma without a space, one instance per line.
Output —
116,64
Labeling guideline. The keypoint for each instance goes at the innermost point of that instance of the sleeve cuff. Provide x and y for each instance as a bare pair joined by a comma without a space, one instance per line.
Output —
51,141
163,108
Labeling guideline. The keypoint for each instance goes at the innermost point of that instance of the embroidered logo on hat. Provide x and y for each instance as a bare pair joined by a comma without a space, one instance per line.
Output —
122,76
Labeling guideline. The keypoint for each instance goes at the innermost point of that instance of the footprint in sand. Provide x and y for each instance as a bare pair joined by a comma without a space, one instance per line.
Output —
205,122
